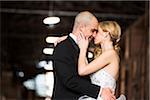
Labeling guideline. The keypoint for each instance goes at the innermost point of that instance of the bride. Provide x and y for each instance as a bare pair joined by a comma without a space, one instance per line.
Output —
105,67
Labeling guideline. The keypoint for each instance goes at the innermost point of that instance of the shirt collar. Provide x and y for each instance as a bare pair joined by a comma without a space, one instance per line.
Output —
73,37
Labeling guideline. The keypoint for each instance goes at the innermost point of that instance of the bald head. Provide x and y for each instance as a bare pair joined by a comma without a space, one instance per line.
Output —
85,23
84,17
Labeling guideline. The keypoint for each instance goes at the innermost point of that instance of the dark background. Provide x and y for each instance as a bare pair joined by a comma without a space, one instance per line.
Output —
23,33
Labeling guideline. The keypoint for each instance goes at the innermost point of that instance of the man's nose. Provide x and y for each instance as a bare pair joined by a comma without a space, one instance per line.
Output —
94,34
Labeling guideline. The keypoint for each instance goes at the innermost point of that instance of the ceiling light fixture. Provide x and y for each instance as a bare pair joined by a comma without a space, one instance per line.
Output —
48,51
51,39
52,19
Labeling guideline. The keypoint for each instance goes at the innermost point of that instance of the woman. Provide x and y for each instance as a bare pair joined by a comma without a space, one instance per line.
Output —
105,66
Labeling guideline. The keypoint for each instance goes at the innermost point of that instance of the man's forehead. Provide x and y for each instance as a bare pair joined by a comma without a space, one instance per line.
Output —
94,26
94,20
94,23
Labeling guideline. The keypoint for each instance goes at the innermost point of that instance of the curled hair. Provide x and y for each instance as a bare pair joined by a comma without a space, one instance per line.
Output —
115,32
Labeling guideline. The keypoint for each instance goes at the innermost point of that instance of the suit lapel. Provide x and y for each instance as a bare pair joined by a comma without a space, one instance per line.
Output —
74,44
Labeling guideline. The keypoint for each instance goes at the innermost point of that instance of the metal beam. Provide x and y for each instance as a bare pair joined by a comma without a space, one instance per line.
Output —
65,13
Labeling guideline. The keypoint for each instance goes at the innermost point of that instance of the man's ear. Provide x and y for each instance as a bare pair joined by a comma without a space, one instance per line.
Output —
82,28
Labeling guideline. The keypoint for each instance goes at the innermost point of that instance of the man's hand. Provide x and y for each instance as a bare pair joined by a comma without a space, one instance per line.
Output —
107,94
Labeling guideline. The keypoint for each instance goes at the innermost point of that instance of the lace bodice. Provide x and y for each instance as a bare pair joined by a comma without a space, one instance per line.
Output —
103,79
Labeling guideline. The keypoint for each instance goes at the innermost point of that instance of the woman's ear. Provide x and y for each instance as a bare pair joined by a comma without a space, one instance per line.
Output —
107,35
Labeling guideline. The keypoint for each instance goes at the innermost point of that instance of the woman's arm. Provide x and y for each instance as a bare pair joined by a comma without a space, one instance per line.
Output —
60,39
85,68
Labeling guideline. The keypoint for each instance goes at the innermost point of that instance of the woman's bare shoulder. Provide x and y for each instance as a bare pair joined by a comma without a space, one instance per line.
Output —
111,54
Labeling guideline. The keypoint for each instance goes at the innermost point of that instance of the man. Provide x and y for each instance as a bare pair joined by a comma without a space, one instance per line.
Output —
68,84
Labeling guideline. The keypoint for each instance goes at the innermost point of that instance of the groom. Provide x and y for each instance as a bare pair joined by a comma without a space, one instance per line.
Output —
68,84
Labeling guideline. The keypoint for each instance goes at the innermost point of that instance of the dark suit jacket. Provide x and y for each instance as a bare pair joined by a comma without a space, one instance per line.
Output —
68,84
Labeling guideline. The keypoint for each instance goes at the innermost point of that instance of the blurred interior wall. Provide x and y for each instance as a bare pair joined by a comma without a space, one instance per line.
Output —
134,70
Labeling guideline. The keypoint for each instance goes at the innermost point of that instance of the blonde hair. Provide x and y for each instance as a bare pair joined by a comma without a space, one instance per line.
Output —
114,30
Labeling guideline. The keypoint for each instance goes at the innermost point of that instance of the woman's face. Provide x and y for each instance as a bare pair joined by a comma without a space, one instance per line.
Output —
98,37
101,36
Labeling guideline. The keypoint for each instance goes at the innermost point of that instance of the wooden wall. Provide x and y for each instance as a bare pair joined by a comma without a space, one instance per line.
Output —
134,70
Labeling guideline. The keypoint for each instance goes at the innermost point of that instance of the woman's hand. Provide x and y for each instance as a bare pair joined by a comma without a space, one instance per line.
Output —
83,42
60,39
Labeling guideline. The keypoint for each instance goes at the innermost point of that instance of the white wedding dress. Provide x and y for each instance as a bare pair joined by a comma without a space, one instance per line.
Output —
103,79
